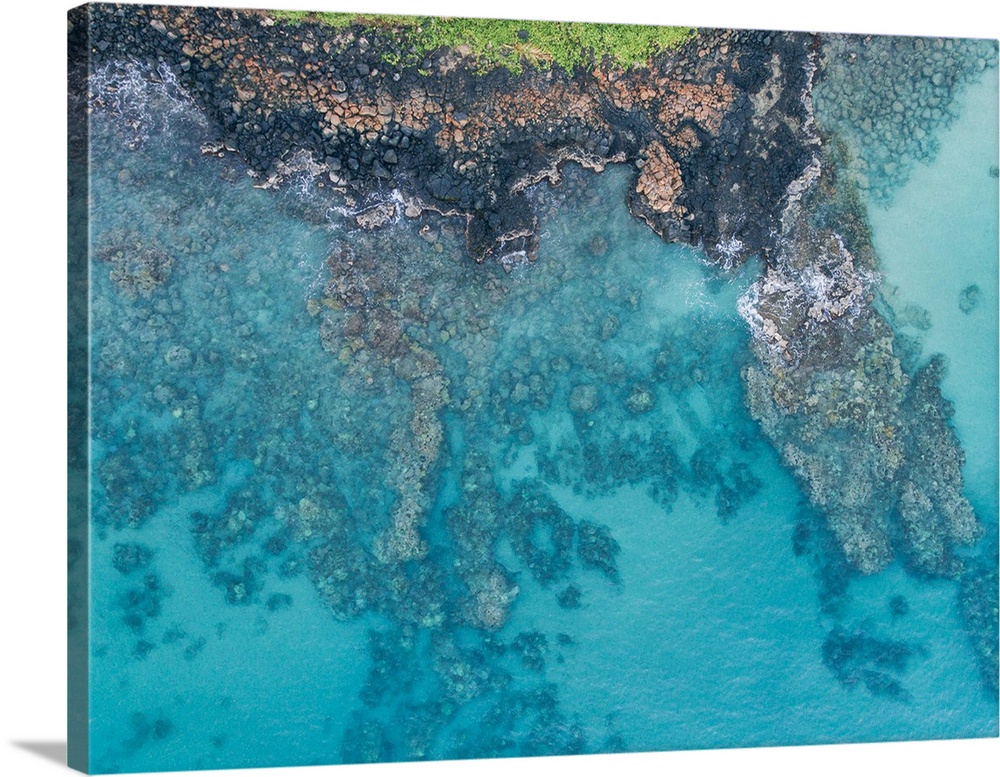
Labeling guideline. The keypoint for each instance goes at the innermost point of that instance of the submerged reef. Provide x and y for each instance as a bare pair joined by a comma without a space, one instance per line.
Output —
859,658
979,602
421,455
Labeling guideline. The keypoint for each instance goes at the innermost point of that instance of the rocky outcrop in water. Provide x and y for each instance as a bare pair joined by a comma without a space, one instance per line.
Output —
869,442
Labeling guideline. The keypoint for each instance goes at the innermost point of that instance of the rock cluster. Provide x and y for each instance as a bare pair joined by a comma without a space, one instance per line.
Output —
137,266
891,117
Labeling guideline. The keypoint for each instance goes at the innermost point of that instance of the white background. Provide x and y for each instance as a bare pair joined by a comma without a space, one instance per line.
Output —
32,385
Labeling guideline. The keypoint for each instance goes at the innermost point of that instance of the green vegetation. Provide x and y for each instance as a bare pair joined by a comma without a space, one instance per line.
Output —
512,44
336,19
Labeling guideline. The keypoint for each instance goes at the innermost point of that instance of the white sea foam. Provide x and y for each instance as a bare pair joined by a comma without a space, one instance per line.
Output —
730,249
141,100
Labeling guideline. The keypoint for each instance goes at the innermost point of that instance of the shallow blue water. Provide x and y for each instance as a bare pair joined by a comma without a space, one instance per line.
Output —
250,449
938,238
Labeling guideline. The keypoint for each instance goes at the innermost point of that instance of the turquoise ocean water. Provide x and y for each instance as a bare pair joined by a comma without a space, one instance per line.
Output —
601,491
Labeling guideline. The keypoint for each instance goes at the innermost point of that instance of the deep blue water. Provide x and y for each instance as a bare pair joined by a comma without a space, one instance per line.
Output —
610,542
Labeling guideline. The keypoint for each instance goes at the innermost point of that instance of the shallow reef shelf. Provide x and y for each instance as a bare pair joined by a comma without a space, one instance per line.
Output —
463,388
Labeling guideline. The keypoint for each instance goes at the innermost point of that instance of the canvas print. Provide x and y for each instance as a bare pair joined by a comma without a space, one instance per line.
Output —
451,388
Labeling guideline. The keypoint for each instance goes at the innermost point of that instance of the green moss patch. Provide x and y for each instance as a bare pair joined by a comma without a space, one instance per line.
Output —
514,44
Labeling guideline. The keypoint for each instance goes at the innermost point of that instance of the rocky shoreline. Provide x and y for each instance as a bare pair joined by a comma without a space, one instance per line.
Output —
706,123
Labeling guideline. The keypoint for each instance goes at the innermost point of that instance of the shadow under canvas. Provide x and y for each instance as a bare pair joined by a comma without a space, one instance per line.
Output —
51,751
